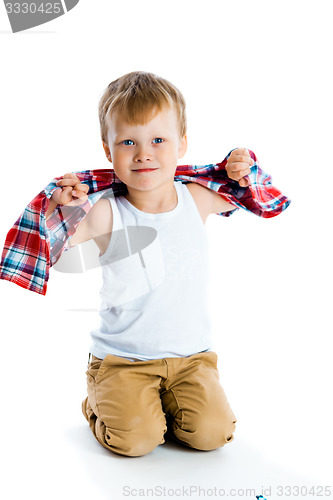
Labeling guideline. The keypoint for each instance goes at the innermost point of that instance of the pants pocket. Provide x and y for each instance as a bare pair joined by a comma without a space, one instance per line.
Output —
94,368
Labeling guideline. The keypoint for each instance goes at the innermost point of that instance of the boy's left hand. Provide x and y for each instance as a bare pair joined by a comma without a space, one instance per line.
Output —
238,166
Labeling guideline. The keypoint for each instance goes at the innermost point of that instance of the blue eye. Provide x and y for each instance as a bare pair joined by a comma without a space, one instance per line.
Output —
158,140
127,142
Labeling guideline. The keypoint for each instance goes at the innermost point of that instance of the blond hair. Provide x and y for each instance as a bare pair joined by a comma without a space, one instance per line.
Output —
136,96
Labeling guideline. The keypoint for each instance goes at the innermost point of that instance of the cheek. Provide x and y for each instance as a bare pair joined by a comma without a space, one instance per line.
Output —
170,152
121,157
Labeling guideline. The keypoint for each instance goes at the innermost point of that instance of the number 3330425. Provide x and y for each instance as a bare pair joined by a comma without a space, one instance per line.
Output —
33,8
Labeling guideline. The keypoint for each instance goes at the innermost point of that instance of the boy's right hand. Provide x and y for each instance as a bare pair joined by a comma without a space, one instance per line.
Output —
71,192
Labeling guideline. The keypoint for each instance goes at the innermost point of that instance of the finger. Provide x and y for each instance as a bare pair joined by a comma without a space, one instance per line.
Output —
238,165
241,154
67,182
244,183
240,151
80,200
81,187
66,194
70,175
237,175
242,158
79,194
56,195
68,179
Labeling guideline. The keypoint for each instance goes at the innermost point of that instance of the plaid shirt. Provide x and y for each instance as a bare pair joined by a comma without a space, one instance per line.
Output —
32,247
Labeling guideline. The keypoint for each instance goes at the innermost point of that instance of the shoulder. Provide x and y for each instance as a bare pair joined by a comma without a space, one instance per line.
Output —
207,200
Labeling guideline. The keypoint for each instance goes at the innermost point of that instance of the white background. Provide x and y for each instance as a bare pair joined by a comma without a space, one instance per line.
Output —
255,74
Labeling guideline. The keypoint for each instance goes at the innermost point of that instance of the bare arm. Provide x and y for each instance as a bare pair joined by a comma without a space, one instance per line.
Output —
96,225
208,201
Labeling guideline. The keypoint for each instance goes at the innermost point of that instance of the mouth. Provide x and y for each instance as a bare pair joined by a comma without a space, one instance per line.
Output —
139,170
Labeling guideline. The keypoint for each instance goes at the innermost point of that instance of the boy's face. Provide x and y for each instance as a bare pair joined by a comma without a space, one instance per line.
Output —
155,145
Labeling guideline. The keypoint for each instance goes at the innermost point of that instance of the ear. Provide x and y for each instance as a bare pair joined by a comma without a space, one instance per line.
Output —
107,151
182,148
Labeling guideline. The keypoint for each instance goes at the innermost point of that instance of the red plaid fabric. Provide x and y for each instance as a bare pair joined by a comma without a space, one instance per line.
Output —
31,247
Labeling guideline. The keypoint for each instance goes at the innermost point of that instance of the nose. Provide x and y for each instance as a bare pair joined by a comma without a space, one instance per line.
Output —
143,155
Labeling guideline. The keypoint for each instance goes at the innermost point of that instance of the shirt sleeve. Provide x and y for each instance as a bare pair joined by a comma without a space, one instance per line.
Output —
260,197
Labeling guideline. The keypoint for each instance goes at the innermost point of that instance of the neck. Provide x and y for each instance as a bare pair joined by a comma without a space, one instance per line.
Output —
159,200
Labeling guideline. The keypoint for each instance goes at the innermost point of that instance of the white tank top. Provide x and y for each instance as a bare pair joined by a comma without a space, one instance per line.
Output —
155,282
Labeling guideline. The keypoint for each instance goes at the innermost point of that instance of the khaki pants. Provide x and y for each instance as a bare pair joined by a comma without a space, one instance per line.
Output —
131,404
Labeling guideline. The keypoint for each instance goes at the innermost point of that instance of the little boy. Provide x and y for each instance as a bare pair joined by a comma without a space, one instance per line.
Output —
151,365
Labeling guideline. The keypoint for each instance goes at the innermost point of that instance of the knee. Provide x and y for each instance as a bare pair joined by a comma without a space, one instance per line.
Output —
207,433
139,440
